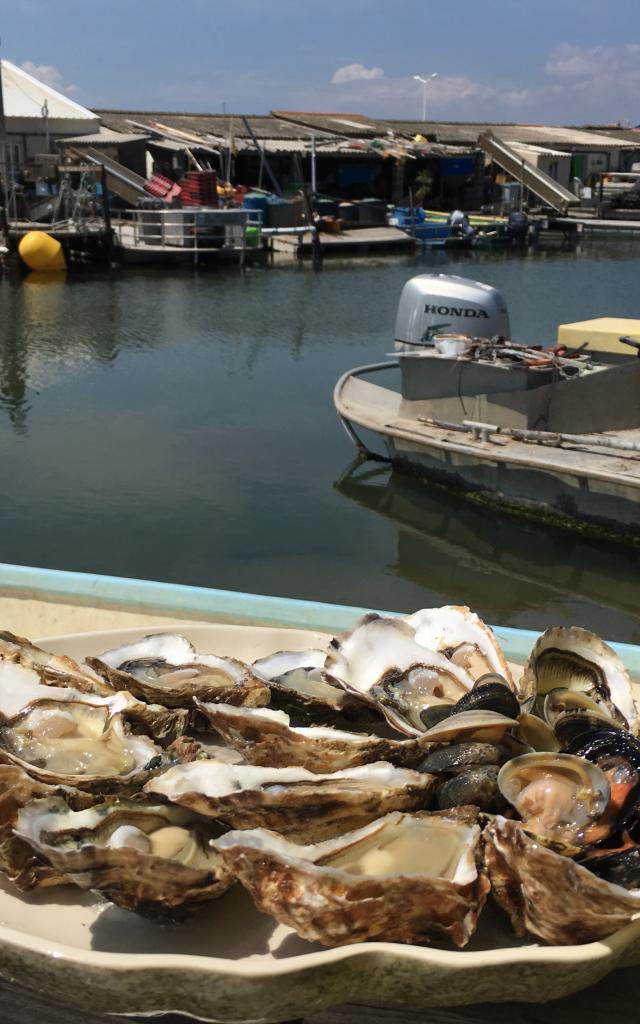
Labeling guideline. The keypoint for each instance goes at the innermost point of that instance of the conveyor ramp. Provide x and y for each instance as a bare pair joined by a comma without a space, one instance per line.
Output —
120,180
530,176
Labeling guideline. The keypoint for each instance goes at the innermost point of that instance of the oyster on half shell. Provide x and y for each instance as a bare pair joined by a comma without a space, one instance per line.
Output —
403,878
293,801
300,687
154,859
266,737
164,668
77,744
18,861
22,687
381,661
549,895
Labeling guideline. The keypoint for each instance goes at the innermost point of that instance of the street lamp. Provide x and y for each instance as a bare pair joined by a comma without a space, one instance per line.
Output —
425,82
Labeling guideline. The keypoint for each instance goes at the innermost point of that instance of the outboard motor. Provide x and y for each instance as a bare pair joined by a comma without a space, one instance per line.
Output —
518,228
432,304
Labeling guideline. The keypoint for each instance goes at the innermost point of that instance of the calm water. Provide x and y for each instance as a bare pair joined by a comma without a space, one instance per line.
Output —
179,426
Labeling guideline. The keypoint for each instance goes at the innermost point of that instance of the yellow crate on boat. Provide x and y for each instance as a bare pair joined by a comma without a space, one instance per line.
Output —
602,334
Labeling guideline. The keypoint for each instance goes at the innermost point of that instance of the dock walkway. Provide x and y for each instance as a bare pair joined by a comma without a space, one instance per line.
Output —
378,240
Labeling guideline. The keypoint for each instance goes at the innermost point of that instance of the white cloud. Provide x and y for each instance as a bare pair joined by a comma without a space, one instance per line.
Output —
569,61
355,73
50,75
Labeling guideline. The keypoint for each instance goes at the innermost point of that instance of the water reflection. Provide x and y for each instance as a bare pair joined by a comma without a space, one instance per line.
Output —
508,569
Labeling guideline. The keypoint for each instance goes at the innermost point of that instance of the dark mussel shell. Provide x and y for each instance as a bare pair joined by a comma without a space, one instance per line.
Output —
617,754
620,867
477,785
454,756
491,693
571,725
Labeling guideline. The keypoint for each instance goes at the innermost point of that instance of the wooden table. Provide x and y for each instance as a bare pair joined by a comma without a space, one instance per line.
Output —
617,999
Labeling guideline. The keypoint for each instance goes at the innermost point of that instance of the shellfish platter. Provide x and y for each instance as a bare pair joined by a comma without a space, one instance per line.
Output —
281,815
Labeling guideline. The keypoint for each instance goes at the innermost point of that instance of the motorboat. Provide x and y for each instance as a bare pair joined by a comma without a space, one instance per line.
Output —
551,431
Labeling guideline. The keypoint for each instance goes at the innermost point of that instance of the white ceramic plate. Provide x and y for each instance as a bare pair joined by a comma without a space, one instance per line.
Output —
233,964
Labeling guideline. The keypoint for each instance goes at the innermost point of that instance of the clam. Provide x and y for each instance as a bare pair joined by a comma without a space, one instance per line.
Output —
381,661
266,737
568,657
547,894
293,801
558,796
154,859
463,637
403,878
77,744
164,668
470,726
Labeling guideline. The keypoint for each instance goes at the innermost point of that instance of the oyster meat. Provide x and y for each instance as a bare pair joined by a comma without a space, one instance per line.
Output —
154,859
77,744
266,737
164,668
293,801
547,894
404,878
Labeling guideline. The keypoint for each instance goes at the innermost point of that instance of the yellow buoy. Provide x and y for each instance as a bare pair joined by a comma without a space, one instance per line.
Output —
41,252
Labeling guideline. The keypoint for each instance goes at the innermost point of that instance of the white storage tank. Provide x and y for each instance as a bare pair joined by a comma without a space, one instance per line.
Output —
432,304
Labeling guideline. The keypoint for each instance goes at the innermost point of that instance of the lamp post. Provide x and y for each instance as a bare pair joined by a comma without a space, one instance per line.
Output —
425,82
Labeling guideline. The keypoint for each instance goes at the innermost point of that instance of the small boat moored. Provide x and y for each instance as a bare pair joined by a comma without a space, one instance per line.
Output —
552,432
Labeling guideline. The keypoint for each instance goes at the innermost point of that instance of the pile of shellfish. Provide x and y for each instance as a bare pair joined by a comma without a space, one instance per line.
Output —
383,788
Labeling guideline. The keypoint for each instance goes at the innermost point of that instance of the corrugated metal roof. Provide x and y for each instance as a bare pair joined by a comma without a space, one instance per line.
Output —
467,132
263,126
105,137
25,96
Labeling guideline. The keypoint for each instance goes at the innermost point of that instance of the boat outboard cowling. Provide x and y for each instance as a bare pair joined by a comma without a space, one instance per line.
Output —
433,304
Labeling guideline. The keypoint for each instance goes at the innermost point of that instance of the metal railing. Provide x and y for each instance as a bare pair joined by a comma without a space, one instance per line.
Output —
196,229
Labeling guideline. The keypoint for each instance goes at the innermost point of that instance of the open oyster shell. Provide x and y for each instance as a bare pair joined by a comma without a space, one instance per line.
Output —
404,878
18,860
293,801
299,687
22,687
549,895
266,737
52,669
77,744
568,657
154,859
462,636
381,661
164,668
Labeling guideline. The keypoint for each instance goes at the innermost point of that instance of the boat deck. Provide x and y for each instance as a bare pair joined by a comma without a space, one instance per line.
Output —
380,409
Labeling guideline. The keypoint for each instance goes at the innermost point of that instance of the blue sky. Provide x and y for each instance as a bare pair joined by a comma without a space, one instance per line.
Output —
568,61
